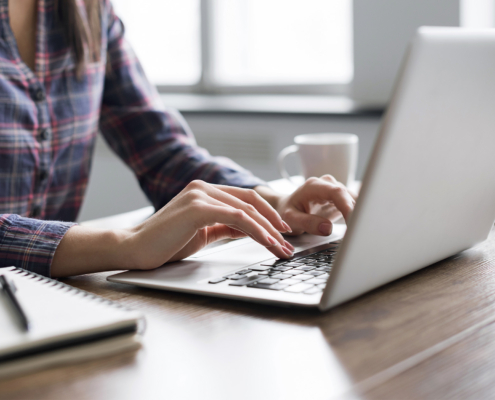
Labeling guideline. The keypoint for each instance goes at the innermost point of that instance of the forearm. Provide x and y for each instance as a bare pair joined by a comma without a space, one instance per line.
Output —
86,250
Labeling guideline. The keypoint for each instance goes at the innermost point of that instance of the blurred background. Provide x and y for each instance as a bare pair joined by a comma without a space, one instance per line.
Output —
249,75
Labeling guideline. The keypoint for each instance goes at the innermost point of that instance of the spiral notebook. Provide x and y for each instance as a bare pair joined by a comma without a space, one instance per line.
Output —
67,325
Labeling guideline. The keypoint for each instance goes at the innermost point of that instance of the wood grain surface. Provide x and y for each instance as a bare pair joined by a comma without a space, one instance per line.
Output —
429,335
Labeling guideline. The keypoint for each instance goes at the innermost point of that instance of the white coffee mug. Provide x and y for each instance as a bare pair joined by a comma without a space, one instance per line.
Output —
324,153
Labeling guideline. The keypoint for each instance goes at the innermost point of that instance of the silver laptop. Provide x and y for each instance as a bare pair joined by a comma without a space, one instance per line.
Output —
428,192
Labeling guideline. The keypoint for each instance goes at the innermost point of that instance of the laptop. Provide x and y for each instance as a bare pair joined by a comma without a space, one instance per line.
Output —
428,192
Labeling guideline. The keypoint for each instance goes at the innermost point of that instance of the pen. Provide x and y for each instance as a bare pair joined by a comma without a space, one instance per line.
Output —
9,290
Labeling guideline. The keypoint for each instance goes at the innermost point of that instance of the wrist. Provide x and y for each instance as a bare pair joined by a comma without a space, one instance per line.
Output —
120,251
86,250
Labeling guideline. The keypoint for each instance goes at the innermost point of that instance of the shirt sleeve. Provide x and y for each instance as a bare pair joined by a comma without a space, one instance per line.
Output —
155,142
29,243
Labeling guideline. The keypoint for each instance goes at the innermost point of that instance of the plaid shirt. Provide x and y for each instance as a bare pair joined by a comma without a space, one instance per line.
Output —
48,123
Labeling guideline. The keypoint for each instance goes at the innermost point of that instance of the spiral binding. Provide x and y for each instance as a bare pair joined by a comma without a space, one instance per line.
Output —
74,291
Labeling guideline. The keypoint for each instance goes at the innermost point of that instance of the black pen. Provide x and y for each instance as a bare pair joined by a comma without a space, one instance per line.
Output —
9,290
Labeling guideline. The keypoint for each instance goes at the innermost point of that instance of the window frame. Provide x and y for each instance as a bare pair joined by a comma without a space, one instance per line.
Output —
207,85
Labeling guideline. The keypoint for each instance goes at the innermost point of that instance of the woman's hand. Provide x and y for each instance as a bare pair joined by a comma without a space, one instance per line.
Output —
314,206
201,214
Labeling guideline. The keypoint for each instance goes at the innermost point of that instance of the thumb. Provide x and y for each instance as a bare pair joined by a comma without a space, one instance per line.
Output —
221,231
309,223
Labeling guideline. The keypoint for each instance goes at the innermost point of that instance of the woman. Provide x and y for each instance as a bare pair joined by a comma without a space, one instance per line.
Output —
67,72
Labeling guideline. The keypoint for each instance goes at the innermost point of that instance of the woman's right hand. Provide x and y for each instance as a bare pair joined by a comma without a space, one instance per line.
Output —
199,215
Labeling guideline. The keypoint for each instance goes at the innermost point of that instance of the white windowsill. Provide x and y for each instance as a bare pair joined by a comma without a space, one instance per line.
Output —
268,104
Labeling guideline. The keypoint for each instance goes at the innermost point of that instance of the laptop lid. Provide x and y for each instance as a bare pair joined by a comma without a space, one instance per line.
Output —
429,190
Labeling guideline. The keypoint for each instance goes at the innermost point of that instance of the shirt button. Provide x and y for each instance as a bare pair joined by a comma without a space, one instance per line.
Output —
36,212
44,134
39,95
42,175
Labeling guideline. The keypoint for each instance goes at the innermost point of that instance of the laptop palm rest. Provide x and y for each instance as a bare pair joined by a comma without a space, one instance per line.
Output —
218,261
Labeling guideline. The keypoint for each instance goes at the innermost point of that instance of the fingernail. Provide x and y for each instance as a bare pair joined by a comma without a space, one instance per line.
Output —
287,251
286,226
325,228
288,245
272,240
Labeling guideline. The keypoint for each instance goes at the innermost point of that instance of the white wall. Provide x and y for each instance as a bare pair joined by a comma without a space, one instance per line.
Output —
252,140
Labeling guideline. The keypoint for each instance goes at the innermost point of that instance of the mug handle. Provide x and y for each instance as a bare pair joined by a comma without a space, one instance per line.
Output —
280,161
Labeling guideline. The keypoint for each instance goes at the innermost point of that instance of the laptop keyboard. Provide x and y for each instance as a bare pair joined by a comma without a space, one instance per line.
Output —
306,272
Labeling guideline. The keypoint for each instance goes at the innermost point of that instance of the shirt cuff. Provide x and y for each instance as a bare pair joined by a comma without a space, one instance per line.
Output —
29,243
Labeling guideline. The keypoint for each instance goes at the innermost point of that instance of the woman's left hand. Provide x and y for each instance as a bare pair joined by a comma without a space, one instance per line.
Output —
314,206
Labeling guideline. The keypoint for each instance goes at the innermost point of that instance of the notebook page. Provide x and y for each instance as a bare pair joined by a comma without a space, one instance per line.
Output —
56,312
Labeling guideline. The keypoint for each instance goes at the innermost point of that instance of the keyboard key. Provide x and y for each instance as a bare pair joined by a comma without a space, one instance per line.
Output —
280,276
236,277
322,285
243,272
279,286
217,280
324,276
293,272
293,264
281,269
264,273
290,282
308,268
247,280
300,287
258,285
313,290
315,281
302,277
269,281
259,268
271,263
314,273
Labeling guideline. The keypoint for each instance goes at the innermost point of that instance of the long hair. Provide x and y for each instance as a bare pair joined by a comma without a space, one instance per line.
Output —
83,33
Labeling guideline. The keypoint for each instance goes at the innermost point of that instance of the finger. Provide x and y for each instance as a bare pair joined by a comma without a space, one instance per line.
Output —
309,223
221,232
327,210
249,209
205,237
320,189
329,178
250,196
217,212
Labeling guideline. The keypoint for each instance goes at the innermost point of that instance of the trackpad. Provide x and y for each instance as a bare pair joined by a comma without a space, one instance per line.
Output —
219,263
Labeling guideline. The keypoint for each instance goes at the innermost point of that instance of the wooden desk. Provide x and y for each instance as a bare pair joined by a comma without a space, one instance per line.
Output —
430,335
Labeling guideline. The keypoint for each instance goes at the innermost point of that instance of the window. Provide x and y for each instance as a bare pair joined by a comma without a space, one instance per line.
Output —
282,41
165,34
239,45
